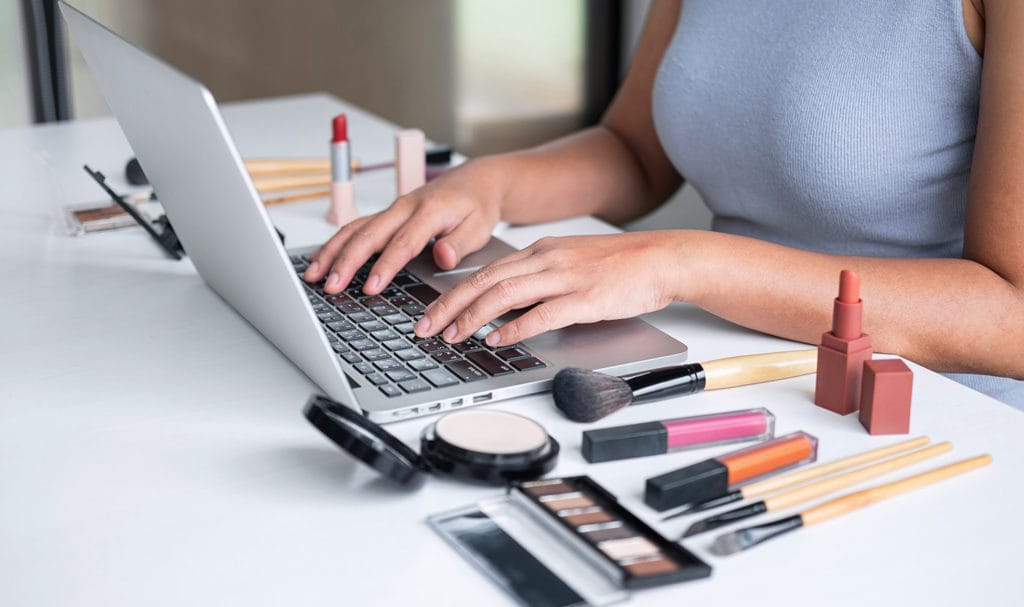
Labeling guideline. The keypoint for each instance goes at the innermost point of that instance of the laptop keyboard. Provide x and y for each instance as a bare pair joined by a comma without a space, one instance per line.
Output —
374,334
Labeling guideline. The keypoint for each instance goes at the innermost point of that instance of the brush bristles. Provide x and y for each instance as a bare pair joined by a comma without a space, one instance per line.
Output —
730,543
587,396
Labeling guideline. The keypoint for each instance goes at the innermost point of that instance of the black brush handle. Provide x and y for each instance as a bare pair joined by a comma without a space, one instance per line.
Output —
667,381
752,536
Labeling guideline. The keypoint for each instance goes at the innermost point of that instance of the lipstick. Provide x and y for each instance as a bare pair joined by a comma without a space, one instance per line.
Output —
664,436
343,208
712,478
843,351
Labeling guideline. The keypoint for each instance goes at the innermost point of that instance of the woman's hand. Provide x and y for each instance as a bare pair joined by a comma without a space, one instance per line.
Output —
460,209
578,279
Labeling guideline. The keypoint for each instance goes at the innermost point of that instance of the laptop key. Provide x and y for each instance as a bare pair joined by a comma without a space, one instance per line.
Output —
390,390
413,309
445,356
404,278
387,364
414,385
489,362
373,300
351,335
410,354
425,293
526,364
373,325
465,371
340,326
339,347
440,377
432,345
375,354
383,310
384,335
331,337
466,346
377,379
362,344
400,375
405,327
422,364
360,317
364,368
512,353
394,319
396,344
351,357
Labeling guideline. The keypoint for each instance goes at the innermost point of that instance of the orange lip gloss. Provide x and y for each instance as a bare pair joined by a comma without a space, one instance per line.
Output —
713,477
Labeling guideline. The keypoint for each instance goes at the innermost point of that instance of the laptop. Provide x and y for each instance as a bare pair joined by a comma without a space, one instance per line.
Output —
359,350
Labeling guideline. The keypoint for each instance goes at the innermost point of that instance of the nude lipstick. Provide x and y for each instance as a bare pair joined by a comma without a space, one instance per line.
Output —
843,351
713,477
342,209
664,436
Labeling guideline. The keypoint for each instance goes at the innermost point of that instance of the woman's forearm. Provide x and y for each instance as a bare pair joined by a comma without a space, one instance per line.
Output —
947,314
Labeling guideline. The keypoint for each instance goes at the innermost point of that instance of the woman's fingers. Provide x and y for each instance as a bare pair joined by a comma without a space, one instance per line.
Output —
552,314
467,237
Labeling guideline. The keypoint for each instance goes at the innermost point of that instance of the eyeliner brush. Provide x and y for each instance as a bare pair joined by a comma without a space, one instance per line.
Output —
587,396
810,473
730,543
815,490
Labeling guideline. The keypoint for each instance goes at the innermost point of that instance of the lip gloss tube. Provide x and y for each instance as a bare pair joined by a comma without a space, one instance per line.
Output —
343,207
712,478
664,436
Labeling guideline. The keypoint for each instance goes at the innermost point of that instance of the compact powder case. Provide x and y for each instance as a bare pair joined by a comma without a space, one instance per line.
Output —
476,444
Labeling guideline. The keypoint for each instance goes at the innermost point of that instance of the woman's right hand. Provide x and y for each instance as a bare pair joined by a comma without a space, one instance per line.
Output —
460,209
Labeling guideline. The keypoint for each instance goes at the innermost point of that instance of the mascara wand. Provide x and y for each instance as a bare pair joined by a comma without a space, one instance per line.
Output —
587,396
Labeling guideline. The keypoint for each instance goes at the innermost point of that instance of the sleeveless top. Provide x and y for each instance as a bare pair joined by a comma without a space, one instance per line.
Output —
838,127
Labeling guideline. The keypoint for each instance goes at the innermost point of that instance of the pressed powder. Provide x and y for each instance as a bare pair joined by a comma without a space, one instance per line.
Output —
495,432
628,548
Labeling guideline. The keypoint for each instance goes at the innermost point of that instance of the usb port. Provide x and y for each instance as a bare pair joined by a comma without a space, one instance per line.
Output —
481,398
434,407
405,412
455,403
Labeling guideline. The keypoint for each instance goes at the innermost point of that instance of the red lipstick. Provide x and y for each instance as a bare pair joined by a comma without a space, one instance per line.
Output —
843,351
340,127
342,209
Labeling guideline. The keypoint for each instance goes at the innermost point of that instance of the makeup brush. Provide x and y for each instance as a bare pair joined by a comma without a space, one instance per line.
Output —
781,481
730,543
815,490
587,396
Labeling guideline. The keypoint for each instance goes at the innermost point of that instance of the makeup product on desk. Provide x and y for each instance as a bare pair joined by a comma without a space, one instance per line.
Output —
885,396
656,438
587,396
815,490
563,542
475,444
843,351
410,166
713,477
801,475
343,205
733,542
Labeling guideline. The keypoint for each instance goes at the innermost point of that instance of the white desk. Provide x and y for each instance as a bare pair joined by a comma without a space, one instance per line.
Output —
152,450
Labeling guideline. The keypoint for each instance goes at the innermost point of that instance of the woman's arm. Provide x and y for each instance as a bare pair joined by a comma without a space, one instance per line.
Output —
963,315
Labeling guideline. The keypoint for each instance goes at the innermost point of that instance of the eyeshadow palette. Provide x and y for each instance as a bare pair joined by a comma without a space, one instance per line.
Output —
569,537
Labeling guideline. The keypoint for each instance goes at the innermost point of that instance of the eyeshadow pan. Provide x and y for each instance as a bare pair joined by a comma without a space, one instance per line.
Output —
605,533
652,566
597,516
628,548
541,488
569,500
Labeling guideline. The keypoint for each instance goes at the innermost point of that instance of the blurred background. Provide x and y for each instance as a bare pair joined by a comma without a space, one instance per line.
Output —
484,75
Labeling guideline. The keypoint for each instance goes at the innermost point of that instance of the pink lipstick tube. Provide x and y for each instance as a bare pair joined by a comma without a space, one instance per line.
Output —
656,438
343,207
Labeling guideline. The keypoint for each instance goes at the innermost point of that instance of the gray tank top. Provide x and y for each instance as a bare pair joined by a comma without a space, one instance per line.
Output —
840,127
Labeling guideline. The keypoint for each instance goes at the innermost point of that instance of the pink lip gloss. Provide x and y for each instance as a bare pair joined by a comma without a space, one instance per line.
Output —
343,208
655,438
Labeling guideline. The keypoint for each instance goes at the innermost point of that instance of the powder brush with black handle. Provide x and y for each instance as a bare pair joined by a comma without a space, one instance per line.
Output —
587,396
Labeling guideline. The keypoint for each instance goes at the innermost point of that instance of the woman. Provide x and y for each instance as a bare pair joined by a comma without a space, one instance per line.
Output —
823,135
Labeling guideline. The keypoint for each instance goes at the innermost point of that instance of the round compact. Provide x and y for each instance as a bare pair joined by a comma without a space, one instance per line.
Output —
480,445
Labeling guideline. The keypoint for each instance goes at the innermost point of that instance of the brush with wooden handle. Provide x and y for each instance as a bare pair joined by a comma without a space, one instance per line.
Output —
730,543
800,475
812,491
587,396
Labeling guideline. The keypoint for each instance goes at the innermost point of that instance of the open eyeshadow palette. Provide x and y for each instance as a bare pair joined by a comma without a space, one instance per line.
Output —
565,542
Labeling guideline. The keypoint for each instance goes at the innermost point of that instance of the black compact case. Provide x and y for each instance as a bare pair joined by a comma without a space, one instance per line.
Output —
382,451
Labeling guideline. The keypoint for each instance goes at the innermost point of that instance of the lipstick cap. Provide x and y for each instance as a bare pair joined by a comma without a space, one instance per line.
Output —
701,481
655,438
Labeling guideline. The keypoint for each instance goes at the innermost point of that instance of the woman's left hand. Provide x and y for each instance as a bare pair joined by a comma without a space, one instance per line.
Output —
578,279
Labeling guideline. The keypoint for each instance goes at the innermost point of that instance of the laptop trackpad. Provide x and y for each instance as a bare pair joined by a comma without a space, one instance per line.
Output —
424,267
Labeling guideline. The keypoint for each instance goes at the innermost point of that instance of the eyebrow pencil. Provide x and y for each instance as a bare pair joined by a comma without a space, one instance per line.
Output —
733,542
788,479
587,396
815,490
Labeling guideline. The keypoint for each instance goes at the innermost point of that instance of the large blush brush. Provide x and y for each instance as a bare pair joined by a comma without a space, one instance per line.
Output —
587,396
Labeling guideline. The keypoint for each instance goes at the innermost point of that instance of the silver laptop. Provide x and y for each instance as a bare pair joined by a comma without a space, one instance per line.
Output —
359,350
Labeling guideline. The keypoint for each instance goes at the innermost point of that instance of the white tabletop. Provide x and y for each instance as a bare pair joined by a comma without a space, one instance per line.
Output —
152,449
